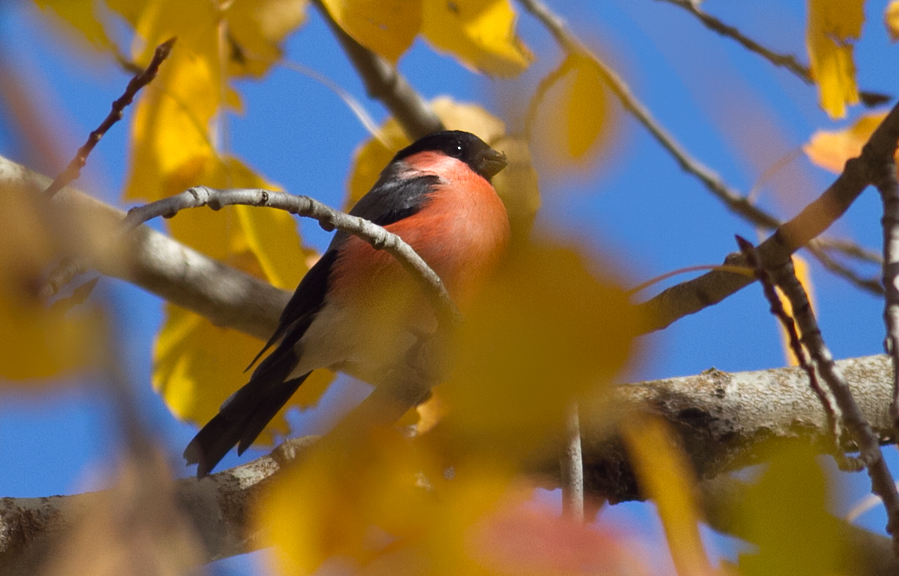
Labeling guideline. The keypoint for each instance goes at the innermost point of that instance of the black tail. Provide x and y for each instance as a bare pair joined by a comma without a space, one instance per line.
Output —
240,420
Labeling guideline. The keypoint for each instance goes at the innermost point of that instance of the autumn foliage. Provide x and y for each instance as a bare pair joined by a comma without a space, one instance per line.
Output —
556,326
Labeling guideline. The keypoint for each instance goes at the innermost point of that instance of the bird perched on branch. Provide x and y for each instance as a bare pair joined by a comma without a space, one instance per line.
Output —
357,310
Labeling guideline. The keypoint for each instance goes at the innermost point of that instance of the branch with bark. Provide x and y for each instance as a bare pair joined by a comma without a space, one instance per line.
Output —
723,422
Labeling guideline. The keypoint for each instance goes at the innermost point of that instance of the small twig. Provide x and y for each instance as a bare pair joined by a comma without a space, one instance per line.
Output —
777,309
882,482
694,295
546,83
889,192
73,170
849,248
328,218
732,199
385,83
871,285
572,468
787,61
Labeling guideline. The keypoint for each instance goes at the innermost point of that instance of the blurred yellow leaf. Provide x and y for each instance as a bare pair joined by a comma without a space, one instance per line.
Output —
575,116
256,29
785,516
804,273
891,20
82,15
666,478
833,27
830,149
546,330
381,505
37,340
386,27
480,33
351,502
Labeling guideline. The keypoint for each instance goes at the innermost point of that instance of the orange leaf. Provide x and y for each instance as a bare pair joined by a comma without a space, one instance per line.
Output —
831,149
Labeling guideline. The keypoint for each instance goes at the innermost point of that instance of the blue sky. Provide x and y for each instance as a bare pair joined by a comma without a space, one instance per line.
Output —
731,110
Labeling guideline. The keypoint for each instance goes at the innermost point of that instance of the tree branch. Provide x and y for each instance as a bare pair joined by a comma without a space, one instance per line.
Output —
73,170
692,296
724,421
159,264
328,218
383,82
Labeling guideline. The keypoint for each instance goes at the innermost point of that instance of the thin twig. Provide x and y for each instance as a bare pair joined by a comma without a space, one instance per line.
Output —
787,61
572,468
73,170
328,218
889,192
882,482
694,295
732,199
777,309
383,82
872,285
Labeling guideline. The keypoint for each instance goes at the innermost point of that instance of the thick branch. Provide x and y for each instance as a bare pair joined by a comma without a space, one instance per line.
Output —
724,421
160,264
384,82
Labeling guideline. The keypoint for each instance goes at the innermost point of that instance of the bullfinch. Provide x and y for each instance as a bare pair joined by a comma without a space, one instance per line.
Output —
357,310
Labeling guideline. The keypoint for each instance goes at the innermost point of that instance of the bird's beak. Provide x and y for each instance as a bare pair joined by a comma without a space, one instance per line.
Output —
491,163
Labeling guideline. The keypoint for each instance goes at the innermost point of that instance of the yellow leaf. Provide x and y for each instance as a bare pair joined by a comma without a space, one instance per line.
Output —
545,331
350,501
37,340
172,148
666,478
833,27
575,117
785,516
830,149
256,29
386,27
82,15
891,20
480,33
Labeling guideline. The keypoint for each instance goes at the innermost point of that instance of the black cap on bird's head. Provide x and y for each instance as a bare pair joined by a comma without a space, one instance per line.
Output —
462,145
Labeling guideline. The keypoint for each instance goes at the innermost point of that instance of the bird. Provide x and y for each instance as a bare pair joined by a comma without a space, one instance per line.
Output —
357,310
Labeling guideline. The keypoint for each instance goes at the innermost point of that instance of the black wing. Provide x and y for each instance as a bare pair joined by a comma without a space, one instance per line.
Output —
246,413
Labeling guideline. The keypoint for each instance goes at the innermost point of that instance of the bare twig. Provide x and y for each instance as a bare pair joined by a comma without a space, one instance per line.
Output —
786,61
882,482
732,199
694,295
73,170
723,421
776,307
889,192
385,83
872,285
572,467
328,218
849,248
157,263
